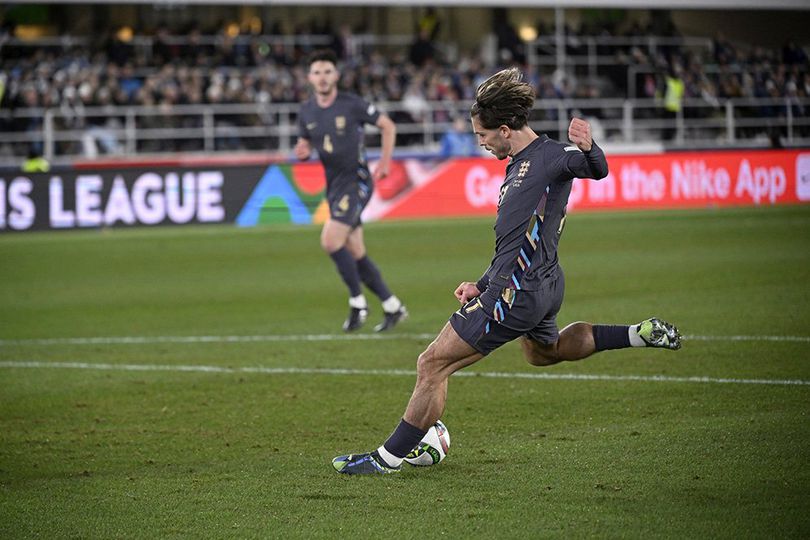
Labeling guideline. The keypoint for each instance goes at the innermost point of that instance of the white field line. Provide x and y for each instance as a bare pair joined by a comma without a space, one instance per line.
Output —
393,373
147,340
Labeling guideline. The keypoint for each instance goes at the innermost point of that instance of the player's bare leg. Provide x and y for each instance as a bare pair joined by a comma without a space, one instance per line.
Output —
355,243
334,235
447,354
581,339
576,342
444,356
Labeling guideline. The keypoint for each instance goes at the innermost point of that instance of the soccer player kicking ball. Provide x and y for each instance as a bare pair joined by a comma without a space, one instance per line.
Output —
521,292
333,123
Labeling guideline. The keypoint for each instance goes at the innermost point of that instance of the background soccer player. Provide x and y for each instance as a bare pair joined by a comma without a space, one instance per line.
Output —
521,292
332,122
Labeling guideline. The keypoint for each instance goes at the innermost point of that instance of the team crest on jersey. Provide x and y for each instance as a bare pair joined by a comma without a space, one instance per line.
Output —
312,125
371,110
340,123
524,168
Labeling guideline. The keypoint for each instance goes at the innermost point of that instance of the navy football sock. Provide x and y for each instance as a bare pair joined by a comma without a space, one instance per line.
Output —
404,439
371,276
607,336
347,268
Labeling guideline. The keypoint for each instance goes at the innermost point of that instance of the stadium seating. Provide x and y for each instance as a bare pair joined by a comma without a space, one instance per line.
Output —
159,93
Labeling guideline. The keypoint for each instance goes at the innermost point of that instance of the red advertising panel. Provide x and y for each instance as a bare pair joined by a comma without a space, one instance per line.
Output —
470,187
698,179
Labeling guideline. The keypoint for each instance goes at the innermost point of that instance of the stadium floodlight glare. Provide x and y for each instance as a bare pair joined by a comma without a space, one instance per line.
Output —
527,32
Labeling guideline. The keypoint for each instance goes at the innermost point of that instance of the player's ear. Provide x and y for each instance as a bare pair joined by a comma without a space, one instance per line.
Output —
504,131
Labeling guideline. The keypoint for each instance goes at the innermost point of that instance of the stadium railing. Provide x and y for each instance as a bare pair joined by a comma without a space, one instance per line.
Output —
66,135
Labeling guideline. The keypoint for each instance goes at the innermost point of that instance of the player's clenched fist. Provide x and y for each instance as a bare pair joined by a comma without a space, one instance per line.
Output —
466,292
579,133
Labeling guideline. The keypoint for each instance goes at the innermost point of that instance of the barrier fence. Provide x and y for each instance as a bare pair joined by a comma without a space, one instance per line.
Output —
247,195
64,135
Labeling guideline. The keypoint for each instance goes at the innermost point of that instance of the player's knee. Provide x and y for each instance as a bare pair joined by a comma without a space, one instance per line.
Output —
542,359
423,362
330,245
539,355
426,364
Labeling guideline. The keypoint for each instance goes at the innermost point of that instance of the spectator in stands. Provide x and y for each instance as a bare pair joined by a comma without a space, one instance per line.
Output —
102,129
128,82
35,163
459,141
510,48
346,45
724,52
415,102
163,51
119,50
792,54
673,101
74,78
31,123
429,23
422,50
194,52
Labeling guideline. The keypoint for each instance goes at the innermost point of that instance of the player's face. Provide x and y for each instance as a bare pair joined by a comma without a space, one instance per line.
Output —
493,140
323,76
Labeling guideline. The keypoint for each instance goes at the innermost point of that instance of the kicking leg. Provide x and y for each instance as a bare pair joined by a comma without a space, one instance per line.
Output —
576,342
581,339
447,354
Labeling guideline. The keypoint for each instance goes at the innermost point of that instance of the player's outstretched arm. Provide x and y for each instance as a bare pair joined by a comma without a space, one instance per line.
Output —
592,162
302,149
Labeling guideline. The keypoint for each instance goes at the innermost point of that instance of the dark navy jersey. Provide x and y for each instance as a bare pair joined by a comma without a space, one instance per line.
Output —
531,213
337,133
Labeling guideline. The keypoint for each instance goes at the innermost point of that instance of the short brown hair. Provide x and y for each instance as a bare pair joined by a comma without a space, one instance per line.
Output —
322,55
503,99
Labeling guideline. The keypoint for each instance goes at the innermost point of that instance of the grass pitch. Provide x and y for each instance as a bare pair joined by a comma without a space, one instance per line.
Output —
194,382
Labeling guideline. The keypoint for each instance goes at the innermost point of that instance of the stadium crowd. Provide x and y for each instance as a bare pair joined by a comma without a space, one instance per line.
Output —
247,69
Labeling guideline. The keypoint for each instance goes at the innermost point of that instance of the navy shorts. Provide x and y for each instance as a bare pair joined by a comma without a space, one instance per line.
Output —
347,206
517,313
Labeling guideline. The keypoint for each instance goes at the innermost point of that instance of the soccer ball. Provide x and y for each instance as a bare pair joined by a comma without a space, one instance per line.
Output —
432,448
